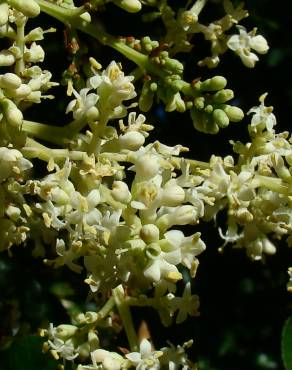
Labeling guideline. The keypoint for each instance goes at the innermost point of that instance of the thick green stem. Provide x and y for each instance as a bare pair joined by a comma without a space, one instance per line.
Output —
53,134
125,313
33,149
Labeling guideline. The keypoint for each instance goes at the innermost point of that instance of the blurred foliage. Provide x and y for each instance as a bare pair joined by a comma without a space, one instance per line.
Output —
287,344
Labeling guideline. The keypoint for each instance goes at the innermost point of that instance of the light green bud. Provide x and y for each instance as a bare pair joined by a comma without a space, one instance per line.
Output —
92,114
212,84
10,81
149,233
234,114
199,102
65,331
221,118
208,109
13,212
146,97
131,6
12,114
91,317
93,340
29,8
4,12
132,140
174,65
223,96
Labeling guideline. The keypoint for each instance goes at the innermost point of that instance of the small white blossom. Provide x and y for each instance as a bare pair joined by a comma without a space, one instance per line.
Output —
146,358
243,43
263,116
83,105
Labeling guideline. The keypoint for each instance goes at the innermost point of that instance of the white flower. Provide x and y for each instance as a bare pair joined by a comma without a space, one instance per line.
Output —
83,107
189,246
263,115
34,54
146,358
243,43
113,87
12,163
65,349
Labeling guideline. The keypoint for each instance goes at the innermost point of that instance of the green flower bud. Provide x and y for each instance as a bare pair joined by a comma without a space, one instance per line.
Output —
92,114
199,102
29,8
4,11
174,65
208,109
131,6
223,96
204,122
220,118
12,114
146,97
212,84
10,81
234,114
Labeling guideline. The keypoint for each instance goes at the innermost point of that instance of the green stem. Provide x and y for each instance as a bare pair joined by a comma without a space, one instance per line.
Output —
94,30
20,43
272,183
125,313
33,149
53,134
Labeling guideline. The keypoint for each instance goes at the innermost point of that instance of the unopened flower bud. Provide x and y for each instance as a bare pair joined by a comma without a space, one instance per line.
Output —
223,96
172,196
65,331
149,233
131,6
199,102
7,58
29,8
147,166
12,114
221,118
212,84
120,192
92,114
153,250
146,97
234,114
13,212
132,140
10,81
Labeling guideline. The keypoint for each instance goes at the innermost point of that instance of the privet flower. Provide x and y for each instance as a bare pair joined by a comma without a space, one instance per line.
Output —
243,43
146,358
